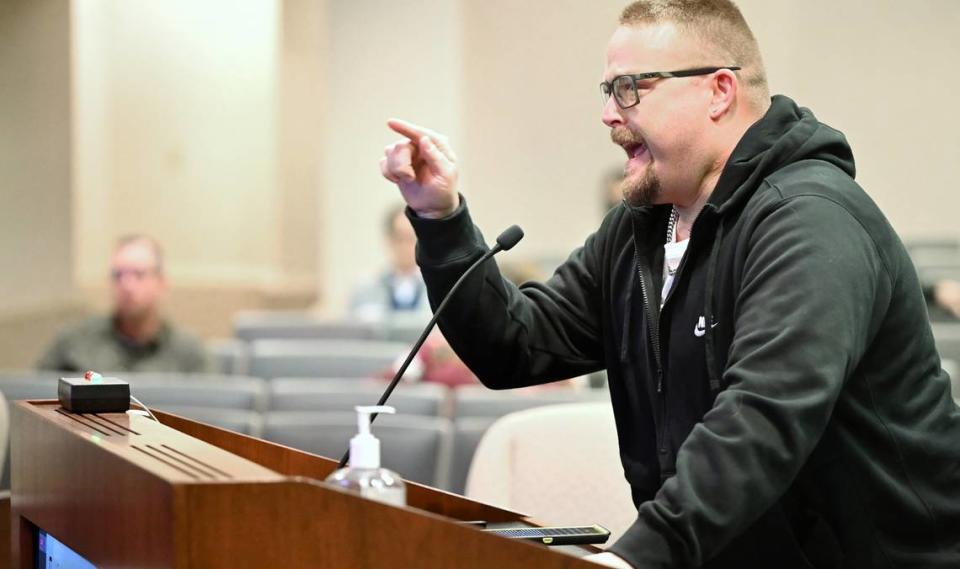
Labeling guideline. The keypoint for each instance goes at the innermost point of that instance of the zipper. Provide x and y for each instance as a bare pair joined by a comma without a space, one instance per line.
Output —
655,331
655,325
654,322
655,340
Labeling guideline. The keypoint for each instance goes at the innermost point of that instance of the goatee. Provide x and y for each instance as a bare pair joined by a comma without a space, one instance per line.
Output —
642,191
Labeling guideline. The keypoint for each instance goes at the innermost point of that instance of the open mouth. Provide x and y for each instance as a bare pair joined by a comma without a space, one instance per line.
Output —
637,151
637,155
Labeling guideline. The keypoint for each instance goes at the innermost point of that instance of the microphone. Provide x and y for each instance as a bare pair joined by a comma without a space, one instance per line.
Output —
505,241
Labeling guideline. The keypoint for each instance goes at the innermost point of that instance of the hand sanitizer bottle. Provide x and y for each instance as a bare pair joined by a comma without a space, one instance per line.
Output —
363,474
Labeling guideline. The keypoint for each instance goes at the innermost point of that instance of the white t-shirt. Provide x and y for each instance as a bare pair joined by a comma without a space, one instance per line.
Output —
406,288
672,255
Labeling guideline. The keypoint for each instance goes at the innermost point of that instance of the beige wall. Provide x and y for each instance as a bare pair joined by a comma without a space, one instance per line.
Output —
302,70
534,147
385,59
35,216
881,71
177,113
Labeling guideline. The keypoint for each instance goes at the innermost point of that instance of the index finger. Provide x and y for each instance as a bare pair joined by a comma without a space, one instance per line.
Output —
410,130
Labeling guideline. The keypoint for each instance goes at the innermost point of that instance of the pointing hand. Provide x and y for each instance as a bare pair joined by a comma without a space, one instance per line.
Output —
424,168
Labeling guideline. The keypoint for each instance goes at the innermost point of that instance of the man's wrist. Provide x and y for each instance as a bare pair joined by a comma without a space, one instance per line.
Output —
441,240
609,559
439,213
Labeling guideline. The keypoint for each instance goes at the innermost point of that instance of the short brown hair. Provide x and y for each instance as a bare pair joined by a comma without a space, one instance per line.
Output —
719,25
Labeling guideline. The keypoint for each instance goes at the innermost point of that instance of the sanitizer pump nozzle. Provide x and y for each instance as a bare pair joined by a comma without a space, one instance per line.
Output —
363,474
364,447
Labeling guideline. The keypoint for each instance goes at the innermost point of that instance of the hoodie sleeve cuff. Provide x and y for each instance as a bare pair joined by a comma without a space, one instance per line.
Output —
641,547
446,240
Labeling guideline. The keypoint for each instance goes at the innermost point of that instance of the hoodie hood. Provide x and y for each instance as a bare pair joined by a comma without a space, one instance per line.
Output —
786,134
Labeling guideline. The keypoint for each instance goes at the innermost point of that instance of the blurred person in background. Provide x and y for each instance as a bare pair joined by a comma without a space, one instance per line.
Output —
134,336
397,295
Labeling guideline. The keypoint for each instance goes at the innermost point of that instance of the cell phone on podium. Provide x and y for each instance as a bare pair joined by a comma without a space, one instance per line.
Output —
565,535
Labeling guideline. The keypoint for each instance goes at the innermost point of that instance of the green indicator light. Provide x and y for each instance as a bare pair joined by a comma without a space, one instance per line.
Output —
96,439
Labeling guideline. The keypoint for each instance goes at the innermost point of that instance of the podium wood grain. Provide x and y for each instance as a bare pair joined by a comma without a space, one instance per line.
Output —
124,491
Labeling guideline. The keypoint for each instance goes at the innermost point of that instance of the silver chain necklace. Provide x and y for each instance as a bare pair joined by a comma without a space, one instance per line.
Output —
671,236
672,225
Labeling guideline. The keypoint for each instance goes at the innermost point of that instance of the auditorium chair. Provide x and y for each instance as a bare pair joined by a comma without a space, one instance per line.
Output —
413,446
559,464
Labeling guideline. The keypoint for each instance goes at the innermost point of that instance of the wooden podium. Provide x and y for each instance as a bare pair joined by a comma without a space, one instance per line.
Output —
124,491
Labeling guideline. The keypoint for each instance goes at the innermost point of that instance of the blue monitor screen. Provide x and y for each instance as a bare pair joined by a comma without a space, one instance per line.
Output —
53,554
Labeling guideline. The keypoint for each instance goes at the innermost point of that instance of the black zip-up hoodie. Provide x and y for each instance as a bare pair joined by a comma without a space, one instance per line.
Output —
786,408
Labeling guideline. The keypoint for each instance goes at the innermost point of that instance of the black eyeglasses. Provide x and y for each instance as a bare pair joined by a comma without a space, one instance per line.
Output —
624,87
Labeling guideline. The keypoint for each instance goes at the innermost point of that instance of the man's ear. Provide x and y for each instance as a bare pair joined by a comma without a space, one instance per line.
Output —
725,86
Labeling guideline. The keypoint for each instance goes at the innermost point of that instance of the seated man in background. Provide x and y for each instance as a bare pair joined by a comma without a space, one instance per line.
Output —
134,336
397,295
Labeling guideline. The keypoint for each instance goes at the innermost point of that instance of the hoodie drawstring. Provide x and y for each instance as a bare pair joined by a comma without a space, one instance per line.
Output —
712,372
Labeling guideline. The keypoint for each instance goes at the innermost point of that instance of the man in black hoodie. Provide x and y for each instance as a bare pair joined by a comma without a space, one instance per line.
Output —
778,397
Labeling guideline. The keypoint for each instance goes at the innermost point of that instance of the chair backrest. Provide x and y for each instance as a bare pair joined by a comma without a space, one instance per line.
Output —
936,273
559,464
932,244
306,394
136,377
285,325
467,432
240,393
229,355
413,446
479,401
935,258
42,385
401,331
947,337
240,421
953,370
933,254
319,358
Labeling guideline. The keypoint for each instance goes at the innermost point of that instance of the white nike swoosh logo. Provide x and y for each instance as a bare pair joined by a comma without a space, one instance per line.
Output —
700,329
